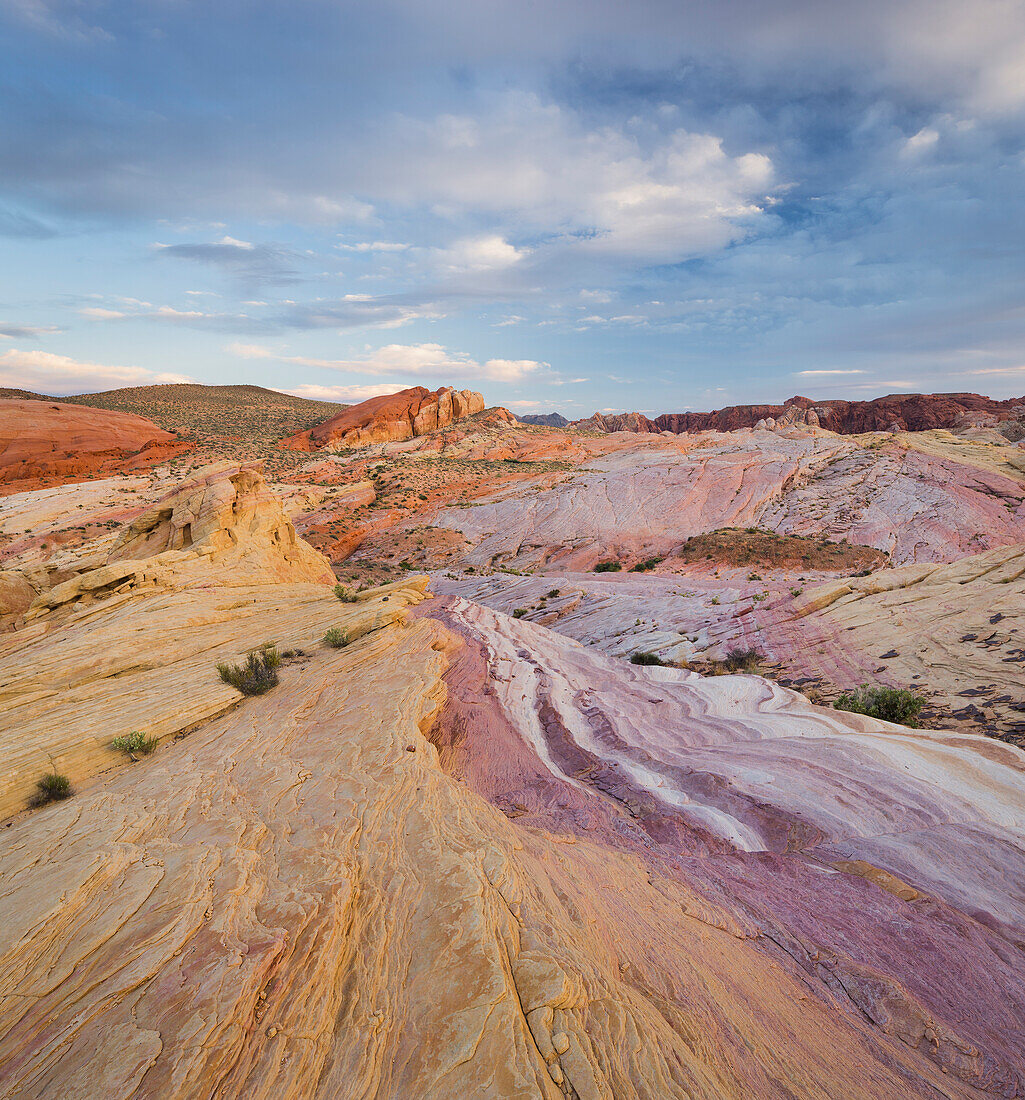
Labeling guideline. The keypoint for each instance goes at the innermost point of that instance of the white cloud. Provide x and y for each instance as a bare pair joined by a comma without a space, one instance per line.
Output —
608,192
407,359
347,395
374,246
100,314
47,373
250,351
919,143
232,242
820,373
487,253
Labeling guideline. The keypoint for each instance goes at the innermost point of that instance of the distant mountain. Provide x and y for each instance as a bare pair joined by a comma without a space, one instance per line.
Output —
548,420
211,414
913,412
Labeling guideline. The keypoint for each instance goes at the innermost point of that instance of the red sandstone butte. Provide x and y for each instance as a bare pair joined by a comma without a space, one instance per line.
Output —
45,439
391,417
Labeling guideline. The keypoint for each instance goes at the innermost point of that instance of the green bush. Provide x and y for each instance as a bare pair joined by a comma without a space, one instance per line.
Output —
52,787
643,658
257,673
519,612
135,742
644,566
608,567
336,638
900,705
346,595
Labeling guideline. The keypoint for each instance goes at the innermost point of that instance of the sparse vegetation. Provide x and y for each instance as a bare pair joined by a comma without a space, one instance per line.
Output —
135,742
335,638
737,659
645,566
641,657
900,705
256,674
519,612
346,595
608,567
52,787
751,546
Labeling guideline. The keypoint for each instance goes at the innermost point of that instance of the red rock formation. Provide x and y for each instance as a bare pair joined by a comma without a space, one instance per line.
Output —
48,440
912,412
391,417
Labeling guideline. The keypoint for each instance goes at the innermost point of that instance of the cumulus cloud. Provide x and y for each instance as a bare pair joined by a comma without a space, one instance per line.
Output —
408,359
44,372
613,191
487,253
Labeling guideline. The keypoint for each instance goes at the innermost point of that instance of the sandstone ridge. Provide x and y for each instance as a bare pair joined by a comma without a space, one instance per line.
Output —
897,412
389,418
56,440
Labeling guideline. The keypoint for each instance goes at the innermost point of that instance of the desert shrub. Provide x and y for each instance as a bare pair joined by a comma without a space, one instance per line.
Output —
552,594
900,705
643,658
519,612
135,742
736,660
742,660
608,567
644,566
336,638
52,787
255,675
346,595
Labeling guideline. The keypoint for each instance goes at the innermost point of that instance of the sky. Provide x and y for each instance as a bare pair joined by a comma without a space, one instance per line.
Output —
571,206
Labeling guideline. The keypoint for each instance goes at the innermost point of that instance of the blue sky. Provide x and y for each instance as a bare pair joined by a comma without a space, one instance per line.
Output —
570,206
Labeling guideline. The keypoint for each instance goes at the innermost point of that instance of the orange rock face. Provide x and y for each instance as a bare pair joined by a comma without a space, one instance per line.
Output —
46,440
391,417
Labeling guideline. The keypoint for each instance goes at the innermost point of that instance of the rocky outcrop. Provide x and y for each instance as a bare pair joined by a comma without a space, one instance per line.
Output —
222,526
463,856
132,643
41,440
911,412
392,417
616,422
650,497
547,420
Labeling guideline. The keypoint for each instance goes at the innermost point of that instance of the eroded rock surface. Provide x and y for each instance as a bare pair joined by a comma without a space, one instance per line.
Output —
395,416
51,441
469,854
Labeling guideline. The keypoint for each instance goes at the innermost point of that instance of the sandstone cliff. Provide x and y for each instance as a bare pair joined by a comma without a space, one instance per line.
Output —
395,416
